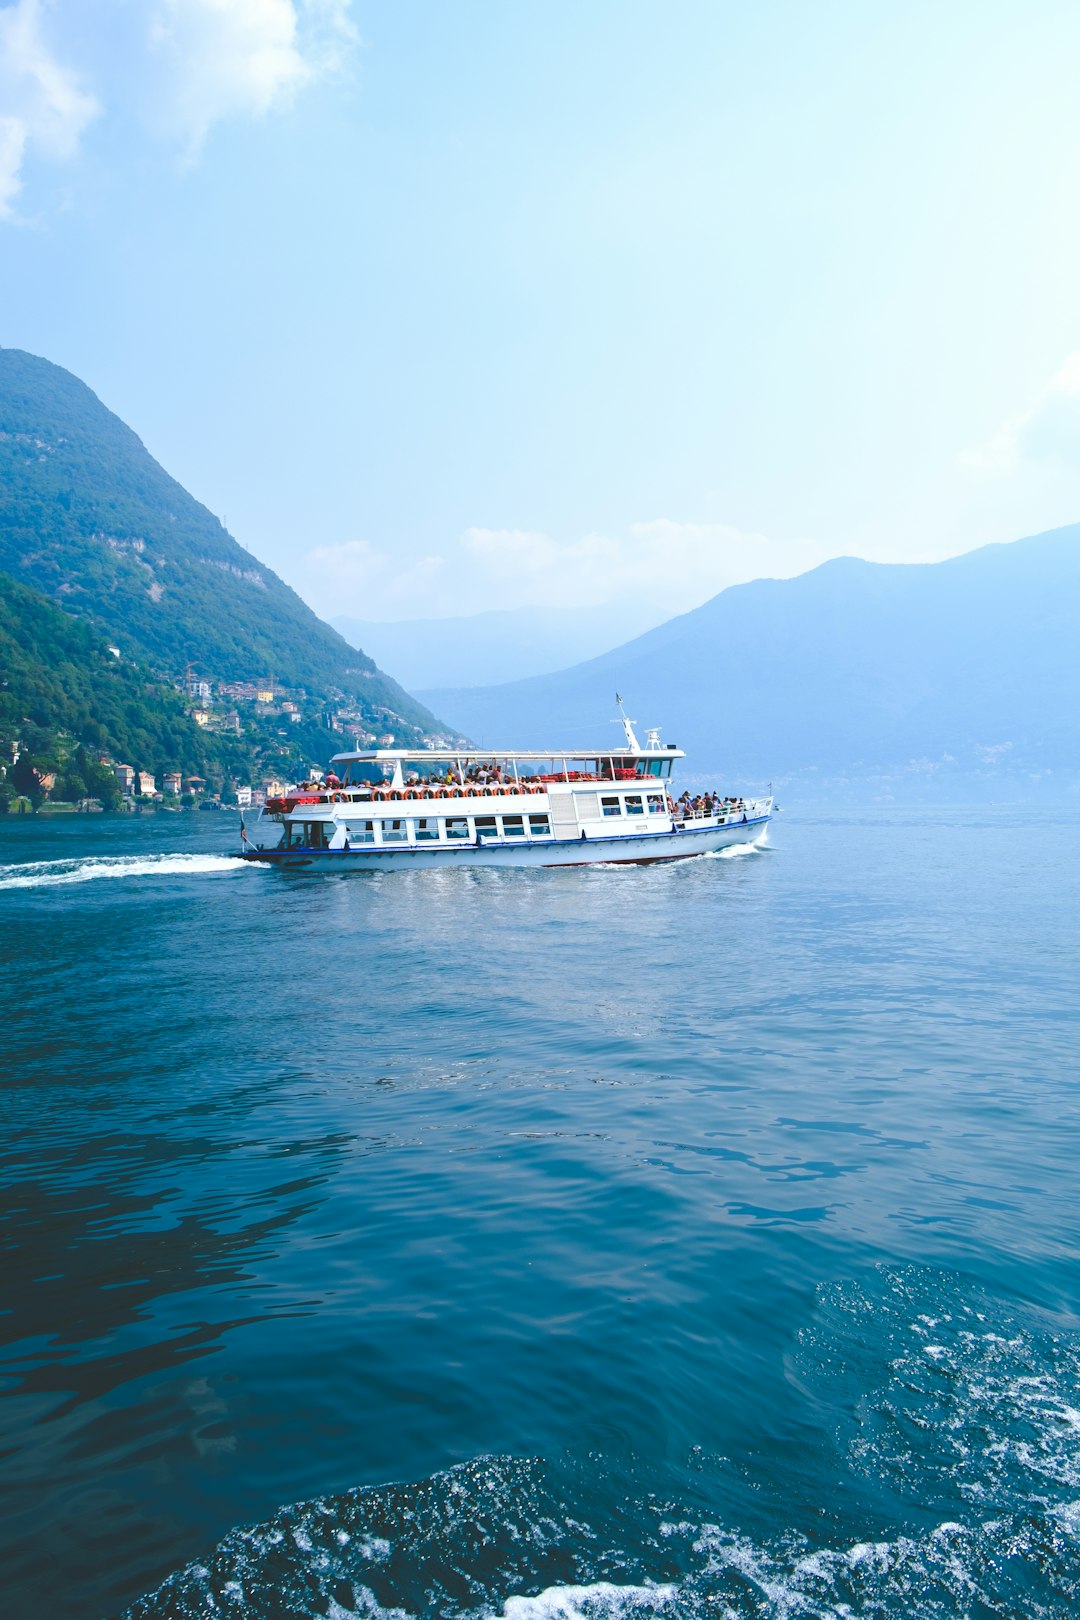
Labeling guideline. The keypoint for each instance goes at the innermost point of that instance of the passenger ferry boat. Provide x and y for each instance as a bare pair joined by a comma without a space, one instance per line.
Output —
386,809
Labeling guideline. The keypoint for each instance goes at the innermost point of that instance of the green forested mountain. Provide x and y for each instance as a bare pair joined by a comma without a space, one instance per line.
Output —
89,519
66,701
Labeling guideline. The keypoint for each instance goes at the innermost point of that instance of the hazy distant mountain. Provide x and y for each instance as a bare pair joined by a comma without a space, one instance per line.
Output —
485,648
89,519
854,669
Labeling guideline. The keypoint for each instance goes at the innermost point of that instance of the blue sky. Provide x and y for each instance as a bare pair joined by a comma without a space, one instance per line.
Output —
457,306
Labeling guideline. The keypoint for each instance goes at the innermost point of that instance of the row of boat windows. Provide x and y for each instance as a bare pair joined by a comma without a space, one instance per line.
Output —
430,829
633,804
421,830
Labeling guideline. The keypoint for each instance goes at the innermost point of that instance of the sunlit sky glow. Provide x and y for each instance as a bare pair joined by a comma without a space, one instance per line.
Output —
452,307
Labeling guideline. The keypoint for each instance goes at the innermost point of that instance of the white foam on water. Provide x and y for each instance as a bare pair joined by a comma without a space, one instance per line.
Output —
732,851
56,874
948,1571
987,1427
598,1599
365,1606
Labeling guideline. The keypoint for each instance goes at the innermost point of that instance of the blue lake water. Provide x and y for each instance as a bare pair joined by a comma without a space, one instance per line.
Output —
695,1241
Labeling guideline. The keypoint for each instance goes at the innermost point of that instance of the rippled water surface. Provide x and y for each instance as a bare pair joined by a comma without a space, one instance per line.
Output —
697,1241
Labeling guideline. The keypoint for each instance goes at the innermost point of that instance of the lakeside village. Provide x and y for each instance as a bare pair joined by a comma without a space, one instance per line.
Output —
216,708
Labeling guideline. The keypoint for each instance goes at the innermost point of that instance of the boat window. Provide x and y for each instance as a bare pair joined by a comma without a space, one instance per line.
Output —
634,806
539,827
360,832
485,826
394,832
513,827
655,804
610,807
427,828
312,835
457,827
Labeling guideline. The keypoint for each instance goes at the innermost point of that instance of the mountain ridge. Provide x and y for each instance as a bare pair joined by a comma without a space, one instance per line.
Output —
854,667
92,521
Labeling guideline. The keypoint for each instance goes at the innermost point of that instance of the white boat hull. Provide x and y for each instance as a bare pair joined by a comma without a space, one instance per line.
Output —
623,849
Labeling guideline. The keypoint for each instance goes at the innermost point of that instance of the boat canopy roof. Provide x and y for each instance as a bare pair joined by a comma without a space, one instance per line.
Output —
454,756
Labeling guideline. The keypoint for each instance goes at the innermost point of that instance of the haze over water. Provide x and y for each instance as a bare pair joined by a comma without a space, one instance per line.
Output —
701,1239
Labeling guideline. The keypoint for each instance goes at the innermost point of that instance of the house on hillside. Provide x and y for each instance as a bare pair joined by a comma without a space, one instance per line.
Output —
147,783
172,783
243,797
125,775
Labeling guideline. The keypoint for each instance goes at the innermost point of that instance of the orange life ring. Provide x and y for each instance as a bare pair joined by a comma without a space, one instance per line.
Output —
409,793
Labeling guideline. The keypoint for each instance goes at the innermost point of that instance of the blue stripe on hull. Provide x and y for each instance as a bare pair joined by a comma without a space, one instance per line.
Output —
633,850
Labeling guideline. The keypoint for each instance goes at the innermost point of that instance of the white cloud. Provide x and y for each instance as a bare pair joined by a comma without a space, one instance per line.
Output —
228,58
1048,431
43,108
665,564
177,66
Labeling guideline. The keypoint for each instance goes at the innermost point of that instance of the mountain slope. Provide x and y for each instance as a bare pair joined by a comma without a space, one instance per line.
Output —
497,646
853,668
91,520
65,700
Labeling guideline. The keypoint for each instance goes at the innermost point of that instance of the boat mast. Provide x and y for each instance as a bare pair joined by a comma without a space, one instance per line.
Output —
628,726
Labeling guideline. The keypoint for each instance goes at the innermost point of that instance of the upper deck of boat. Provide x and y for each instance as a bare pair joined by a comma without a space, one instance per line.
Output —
400,768
500,756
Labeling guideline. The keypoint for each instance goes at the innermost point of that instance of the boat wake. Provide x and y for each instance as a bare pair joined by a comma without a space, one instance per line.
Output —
955,1408
54,874
733,851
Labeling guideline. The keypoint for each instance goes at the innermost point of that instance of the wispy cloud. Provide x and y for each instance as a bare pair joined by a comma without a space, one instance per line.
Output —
223,59
177,67
1049,430
670,564
43,107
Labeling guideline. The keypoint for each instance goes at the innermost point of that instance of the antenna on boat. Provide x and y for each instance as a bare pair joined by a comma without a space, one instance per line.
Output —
627,725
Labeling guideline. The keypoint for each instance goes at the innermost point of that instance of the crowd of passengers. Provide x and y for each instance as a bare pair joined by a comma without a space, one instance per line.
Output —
707,804
473,776
702,804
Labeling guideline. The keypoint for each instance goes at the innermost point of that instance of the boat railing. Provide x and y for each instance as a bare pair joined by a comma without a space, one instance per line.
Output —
731,813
